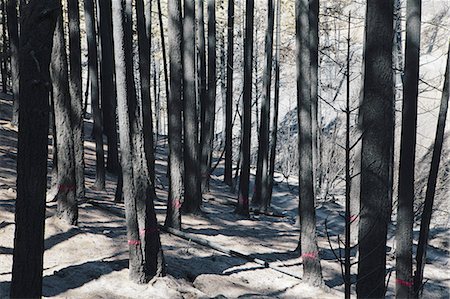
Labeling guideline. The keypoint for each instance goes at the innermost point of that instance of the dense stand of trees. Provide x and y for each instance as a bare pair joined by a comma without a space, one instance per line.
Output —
45,72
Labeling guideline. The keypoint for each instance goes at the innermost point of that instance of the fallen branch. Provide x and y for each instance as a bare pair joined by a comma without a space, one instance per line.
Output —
191,237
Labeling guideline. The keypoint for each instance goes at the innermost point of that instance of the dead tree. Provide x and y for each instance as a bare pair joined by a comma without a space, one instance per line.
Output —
38,20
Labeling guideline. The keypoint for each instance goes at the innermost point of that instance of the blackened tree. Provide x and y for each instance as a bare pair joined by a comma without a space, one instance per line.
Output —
377,114
38,19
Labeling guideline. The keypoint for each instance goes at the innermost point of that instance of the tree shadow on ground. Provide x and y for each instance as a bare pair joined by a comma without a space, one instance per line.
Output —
75,276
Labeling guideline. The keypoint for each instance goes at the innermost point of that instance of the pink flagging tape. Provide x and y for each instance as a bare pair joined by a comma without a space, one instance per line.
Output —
243,199
176,203
404,283
134,242
310,255
63,187
353,218
149,231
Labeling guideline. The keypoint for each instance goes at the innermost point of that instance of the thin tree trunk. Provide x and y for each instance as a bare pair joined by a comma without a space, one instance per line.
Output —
192,188
97,130
261,181
163,49
202,88
66,196
314,56
174,106
276,103
209,107
347,274
108,88
312,271
228,175
243,204
75,90
432,179
13,33
405,209
36,39
377,112
4,57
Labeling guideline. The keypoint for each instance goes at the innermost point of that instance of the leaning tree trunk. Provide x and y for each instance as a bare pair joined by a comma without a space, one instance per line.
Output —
244,180
163,48
260,198
377,112
405,209
228,175
146,257
89,15
13,32
209,107
36,37
192,188
108,95
432,180
76,92
174,105
66,196
312,271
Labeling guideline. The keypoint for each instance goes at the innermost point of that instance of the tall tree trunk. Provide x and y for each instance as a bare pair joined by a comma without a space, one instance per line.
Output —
209,107
97,130
347,274
432,179
405,209
13,32
202,88
4,56
276,103
192,188
108,88
261,181
146,257
144,42
242,205
228,176
314,56
66,196
163,49
174,106
377,112
36,38
75,90
312,271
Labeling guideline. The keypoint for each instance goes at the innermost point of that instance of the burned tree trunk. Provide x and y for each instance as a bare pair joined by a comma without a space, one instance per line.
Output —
66,196
405,209
432,179
209,107
242,205
192,188
97,130
108,95
174,106
146,256
13,32
228,175
312,271
38,19
260,198
76,92
377,112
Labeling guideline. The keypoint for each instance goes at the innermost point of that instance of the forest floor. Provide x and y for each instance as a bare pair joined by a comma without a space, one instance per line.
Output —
90,260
